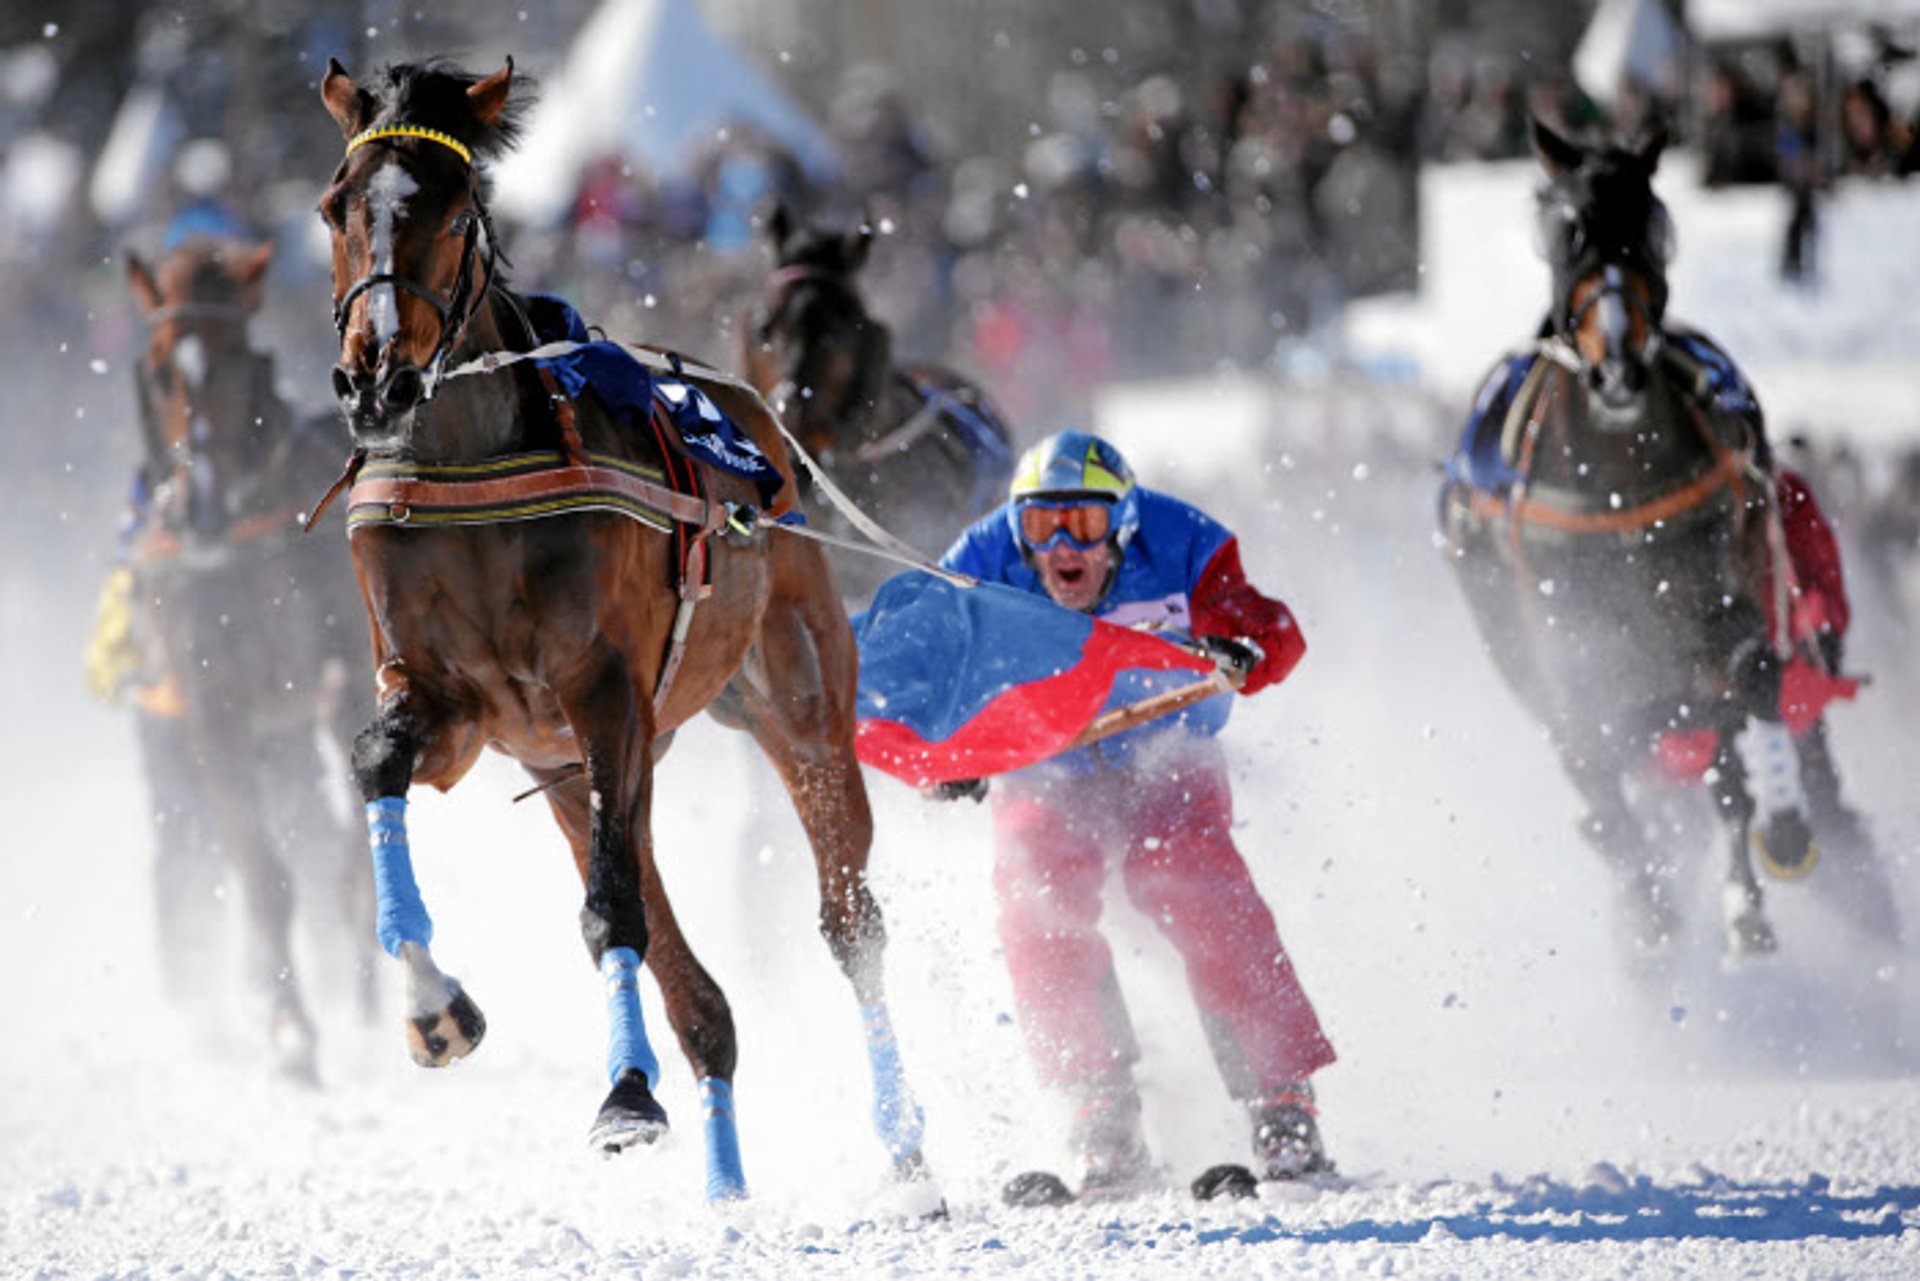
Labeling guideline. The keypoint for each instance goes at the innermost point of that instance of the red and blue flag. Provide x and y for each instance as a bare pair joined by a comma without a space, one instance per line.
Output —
963,682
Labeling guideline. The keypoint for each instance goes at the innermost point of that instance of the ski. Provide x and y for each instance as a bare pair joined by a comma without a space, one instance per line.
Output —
1043,1188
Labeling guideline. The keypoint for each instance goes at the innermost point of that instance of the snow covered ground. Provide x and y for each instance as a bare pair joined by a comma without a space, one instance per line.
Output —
1508,1103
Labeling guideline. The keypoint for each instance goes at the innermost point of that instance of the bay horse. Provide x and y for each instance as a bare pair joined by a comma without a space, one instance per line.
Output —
1610,518
252,632
915,445
568,582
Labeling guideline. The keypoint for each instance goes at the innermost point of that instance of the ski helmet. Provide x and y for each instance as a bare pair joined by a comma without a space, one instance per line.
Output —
1076,466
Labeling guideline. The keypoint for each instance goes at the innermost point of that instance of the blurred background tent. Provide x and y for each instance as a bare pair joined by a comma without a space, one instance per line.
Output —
1629,42
649,82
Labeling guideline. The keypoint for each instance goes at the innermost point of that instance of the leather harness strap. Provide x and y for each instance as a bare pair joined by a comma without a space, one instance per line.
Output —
1522,510
533,485
162,543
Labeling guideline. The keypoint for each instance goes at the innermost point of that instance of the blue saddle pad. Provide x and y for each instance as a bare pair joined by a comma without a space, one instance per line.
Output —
630,390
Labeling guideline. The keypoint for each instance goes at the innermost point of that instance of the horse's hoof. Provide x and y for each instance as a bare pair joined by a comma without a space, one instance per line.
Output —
630,1116
1749,935
440,1037
1652,924
1785,846
293,1048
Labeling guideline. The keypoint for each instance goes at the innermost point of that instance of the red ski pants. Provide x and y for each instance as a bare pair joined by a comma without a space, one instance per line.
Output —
1168,830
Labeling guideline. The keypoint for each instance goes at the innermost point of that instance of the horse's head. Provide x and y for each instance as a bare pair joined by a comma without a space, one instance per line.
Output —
201,387
414,253
811,346
1608,240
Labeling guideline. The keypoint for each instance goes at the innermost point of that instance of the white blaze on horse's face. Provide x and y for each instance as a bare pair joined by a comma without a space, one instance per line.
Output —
387,193
189,359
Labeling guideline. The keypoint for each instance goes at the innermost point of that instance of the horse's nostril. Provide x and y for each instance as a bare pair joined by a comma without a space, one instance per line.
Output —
342,383
403,389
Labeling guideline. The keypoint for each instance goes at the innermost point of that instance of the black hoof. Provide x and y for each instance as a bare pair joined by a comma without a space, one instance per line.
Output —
630,1116
437,1039
1228,1180
1036,1188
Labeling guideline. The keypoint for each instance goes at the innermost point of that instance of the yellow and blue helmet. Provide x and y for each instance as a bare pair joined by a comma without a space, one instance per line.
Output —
1070,468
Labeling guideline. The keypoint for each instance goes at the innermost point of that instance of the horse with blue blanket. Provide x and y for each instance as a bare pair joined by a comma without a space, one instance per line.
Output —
1612,516
915,445
568,549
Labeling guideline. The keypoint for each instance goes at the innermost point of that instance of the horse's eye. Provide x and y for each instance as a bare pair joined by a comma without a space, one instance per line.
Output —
462,223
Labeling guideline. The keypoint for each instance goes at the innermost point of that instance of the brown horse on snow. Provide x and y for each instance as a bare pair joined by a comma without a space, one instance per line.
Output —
249,633
568,587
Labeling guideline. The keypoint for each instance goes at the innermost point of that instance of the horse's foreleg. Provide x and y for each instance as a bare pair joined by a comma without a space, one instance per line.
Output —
1742,911
614,729
1612,828
443,1023
264,885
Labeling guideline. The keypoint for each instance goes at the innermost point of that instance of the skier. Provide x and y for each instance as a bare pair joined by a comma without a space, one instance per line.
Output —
1157,801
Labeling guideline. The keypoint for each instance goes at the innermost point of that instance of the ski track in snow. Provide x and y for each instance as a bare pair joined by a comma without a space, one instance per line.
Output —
1508,1101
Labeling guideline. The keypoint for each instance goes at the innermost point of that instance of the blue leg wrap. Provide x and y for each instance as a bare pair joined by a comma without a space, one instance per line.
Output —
400,915
896,1117
726,1181
627,1045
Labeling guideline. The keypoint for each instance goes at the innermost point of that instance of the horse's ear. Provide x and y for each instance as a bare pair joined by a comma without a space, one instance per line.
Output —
1651,145
779,224
489,97
1556,153
146,291
349,104
250,269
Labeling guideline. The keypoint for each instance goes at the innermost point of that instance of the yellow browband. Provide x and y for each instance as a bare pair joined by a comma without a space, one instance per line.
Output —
412,131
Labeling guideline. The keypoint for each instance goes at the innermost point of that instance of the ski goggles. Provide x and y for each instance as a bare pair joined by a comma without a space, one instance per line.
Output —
1085,524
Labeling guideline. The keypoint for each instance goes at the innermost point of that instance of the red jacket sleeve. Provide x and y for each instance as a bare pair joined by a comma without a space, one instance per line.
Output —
1224,603
1813,549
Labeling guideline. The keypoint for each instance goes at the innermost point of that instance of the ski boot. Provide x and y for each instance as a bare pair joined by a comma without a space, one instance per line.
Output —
1286,1138
1106,1134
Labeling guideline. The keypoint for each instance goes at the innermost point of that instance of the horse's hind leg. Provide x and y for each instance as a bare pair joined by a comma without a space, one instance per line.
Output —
696,1007
806,730
443,1023
614,729
352,875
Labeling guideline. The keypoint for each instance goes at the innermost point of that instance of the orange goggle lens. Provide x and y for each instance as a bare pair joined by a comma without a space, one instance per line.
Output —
1085,525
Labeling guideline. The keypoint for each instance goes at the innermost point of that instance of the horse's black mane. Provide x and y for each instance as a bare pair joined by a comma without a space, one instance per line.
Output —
819,250
209,280
432,93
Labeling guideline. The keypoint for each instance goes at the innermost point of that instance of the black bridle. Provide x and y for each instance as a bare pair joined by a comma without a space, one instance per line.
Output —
172,459
455,311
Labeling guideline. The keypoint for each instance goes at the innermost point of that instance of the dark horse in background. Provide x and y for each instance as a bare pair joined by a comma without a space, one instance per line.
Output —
253,633
1611,515
563,580
915,446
